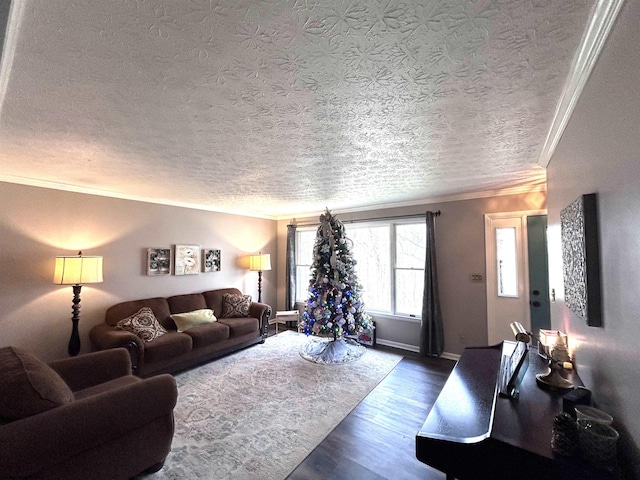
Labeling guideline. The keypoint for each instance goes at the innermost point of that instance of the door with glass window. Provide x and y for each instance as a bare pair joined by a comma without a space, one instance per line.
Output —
507,273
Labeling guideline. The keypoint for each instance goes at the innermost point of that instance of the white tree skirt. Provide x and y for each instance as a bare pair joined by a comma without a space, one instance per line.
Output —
329,351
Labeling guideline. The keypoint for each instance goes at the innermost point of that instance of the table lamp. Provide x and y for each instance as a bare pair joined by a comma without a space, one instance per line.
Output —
552,345
259,263
77,270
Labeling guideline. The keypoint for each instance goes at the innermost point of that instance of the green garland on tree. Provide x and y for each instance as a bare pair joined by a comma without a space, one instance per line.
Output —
334,306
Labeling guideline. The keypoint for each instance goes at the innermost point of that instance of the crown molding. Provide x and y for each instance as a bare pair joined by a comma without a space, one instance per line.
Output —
537,185
600,24
123,196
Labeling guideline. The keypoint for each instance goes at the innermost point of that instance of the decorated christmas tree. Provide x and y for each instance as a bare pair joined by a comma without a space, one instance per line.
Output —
334,307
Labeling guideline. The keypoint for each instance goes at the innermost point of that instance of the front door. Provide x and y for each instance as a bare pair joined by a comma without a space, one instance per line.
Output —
539,303
507,273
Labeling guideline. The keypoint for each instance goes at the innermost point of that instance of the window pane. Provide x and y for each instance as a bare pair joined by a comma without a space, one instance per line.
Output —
409,287
304,258
507,262
303,273
372,252
411,241
304,247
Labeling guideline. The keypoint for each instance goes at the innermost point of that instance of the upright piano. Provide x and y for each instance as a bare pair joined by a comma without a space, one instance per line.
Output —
472,432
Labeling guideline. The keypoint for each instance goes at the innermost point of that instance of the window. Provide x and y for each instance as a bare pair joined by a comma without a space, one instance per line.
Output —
507,262
372,252
389,259
305,238
411,243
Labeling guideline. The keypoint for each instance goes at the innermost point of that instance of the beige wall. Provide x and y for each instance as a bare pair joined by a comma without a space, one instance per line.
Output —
36,224
600,152
460,252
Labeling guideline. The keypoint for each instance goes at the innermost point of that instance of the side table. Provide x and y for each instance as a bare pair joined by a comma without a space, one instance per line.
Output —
284,316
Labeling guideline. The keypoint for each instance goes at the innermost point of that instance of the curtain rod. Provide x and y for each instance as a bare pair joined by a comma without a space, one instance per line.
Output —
419,215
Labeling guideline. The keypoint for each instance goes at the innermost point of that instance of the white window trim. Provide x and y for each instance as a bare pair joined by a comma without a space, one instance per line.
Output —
391,223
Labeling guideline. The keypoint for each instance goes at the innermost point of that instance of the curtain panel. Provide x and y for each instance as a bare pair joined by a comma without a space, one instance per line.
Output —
431,330
290,294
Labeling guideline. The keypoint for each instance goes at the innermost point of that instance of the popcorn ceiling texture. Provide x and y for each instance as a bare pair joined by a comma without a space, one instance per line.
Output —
276,107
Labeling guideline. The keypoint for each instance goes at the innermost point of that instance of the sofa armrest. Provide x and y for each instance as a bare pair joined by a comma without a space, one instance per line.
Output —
36,443
104,336
93,368
262,312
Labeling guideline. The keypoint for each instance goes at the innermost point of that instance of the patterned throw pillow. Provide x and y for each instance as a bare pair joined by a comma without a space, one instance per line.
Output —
235,305
144,324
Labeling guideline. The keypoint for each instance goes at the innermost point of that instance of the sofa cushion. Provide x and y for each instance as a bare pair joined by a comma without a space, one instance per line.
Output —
167,346
144,324
235,305
240,326
208,334
187,303
185,321
28,386
107,386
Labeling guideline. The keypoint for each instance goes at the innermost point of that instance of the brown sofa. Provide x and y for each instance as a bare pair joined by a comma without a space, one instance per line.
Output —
176,350
82,417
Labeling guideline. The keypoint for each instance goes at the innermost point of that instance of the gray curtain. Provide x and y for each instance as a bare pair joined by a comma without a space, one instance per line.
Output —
290,295
431,331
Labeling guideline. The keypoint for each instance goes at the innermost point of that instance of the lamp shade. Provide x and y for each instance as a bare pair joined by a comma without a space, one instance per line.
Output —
260,263
78,270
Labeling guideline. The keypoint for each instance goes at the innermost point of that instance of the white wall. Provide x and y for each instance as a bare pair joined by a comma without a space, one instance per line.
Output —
36,224
600,153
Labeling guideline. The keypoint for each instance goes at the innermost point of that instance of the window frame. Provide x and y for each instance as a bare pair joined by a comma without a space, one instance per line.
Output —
391,223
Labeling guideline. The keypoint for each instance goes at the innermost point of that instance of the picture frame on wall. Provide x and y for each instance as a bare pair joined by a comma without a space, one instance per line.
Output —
581,259
158,261
210,260
187,259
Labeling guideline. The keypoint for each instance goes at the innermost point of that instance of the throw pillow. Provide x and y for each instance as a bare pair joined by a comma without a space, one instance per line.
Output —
144,324
187,320
28,386
235,305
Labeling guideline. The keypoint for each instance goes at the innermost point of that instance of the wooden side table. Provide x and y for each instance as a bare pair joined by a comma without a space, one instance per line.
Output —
284,316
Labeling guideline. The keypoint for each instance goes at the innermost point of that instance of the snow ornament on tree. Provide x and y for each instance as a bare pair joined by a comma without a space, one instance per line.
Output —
334,308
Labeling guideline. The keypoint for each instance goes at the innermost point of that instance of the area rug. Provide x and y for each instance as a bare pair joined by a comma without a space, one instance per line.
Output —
257,413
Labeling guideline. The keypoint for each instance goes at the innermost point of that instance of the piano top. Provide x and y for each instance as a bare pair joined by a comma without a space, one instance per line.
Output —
471,424
464,410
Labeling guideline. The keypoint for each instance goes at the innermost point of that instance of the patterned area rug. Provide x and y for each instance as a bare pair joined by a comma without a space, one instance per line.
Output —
256,414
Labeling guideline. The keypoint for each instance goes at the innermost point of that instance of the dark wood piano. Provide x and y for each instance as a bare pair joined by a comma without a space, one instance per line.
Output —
473,433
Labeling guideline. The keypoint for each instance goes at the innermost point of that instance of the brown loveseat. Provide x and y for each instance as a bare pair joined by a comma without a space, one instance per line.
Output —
176,350
82,417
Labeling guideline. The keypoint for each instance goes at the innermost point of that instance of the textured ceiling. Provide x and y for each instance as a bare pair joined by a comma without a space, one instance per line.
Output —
280,107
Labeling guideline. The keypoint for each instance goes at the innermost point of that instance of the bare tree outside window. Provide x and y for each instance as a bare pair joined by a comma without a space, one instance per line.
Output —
371,249
410,252
390,264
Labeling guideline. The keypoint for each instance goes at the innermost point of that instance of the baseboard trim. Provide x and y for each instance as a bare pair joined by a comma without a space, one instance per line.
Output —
414,348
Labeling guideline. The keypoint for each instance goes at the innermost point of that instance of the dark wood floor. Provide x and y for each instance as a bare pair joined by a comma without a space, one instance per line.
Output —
377,439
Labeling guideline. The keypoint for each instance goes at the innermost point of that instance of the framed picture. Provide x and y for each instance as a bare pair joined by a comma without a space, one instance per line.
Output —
581,259
158,261
210,260
187,260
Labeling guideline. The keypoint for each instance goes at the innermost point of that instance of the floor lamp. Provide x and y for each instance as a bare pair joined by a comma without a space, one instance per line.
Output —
259,263
77,271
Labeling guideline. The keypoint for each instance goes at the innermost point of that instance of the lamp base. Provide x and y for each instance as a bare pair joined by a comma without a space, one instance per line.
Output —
553,379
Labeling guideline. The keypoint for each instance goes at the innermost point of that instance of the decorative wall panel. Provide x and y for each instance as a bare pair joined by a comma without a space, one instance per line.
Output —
581,259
